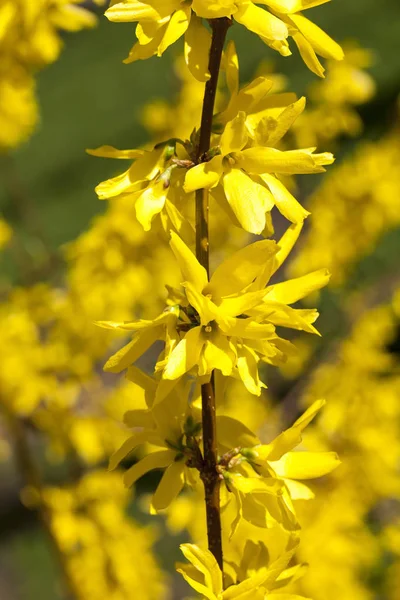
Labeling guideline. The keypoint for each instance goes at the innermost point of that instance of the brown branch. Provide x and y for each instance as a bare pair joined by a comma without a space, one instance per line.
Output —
209,472
29,471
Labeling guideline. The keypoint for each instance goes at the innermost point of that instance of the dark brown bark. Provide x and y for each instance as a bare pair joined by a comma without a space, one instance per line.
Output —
209,473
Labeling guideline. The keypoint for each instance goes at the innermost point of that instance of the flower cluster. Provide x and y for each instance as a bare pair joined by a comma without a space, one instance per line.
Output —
160,24
346,208
29,40
227,324
218,329
242,157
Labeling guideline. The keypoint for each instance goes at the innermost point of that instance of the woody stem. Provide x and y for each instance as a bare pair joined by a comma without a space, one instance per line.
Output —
29,471
209,473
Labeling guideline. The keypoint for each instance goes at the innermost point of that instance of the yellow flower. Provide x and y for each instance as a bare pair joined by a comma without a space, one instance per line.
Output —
205,577
247,173
266,498
227,323
161,23
277,458
310,39
173,428
152,182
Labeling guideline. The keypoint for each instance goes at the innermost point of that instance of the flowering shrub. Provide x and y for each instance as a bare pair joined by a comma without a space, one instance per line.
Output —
209,211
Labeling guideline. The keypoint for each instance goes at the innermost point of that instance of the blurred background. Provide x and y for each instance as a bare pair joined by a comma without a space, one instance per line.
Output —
88,98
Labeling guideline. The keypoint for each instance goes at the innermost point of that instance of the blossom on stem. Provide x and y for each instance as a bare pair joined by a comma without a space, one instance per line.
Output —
205,576
152,182
264,479
227,323
161,23
247,172
173,428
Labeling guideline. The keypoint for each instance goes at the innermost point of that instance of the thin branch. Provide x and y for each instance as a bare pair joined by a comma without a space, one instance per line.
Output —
30,473
209,472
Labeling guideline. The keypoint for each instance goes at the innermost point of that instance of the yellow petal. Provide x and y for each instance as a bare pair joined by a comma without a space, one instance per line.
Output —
133,11
150,203
249,200
286,244
132,351
197,47
309,414
191,270
247,364
270,136
270,160
131,443
261,22
248,328
293,290
204,175
144,51
232,433
155,460
207,310
239,305
169,487
111,152
185,355
218,354
214,9
287,204
305,465
298,491
204,561
321,42
143,383
231,65
307,53
139,418
234,137
176,27
241,268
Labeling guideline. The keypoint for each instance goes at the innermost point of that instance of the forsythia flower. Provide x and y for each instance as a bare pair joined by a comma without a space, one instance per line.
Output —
100,543
345,227
152,182
161,24
247,172
243,169
205,576
30,39
227,323
267,497
172,428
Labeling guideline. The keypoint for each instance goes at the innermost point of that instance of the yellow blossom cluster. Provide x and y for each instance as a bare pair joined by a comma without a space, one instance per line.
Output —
350,527
353,208
160,24
100,544
29,40
219,327
332,102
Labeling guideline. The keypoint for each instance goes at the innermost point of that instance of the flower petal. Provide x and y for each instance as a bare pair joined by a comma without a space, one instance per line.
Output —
204,175
169,487
185,355
155,460
249,200
192,271
197,46
305,465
